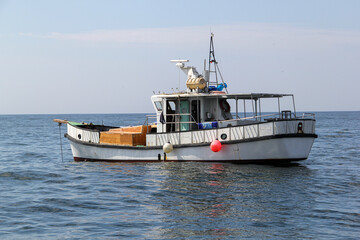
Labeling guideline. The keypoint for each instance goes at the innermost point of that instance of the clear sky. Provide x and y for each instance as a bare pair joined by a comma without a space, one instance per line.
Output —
109,56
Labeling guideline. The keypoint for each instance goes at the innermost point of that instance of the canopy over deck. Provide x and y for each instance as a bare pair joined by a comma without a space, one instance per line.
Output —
245,96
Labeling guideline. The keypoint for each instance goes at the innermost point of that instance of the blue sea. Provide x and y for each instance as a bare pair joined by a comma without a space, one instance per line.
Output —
46,196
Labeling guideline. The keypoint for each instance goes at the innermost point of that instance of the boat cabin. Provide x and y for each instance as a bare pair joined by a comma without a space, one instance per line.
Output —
195,111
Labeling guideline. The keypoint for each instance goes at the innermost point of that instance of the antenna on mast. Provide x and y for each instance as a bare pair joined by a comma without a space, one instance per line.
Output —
212,61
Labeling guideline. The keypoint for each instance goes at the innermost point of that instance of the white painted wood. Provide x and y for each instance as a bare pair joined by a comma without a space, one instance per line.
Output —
271,149
258,149
86,136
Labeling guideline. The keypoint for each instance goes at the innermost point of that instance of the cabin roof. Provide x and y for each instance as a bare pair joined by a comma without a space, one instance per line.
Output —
222,95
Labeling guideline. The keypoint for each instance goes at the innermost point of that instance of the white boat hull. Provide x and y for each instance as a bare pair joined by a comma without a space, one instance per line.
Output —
289,147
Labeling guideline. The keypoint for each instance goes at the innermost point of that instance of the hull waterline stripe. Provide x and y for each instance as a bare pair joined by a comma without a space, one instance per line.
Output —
252,161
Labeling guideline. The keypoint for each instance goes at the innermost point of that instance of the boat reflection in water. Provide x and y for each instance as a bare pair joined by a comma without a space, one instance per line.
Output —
227,200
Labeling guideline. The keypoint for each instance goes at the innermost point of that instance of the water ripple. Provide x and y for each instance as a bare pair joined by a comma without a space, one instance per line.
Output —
43,197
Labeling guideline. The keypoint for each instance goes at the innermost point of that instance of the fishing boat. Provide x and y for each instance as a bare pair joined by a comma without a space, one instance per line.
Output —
203,123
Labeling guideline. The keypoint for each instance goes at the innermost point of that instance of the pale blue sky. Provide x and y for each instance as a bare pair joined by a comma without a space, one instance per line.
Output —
109,56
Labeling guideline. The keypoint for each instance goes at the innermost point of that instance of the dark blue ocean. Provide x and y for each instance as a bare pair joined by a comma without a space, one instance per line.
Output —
43,196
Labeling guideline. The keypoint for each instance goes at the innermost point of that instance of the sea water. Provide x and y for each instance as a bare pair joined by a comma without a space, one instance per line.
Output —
45,196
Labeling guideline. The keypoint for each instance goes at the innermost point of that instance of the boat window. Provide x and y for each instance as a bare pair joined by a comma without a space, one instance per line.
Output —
158,105
170,116
172,105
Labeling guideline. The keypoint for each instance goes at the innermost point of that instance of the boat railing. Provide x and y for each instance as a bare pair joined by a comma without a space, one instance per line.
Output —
233,129
308,115
173,115
219,123
149,117
285,115
256,117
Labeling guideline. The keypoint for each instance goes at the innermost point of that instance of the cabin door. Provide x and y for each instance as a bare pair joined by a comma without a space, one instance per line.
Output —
195,113
184,115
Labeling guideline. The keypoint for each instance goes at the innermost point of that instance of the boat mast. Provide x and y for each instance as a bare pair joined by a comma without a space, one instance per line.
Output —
212,61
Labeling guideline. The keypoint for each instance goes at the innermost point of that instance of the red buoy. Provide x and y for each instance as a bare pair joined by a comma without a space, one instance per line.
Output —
215,146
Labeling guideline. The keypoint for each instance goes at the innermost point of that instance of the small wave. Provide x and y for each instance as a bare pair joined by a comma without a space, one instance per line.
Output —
29,175
73,203
53,175
48,209
33,155
351,217
334,136
18,144
20,176
57,181
345,131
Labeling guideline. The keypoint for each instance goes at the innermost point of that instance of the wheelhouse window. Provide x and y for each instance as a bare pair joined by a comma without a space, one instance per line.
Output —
171,118
158,105
171,106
